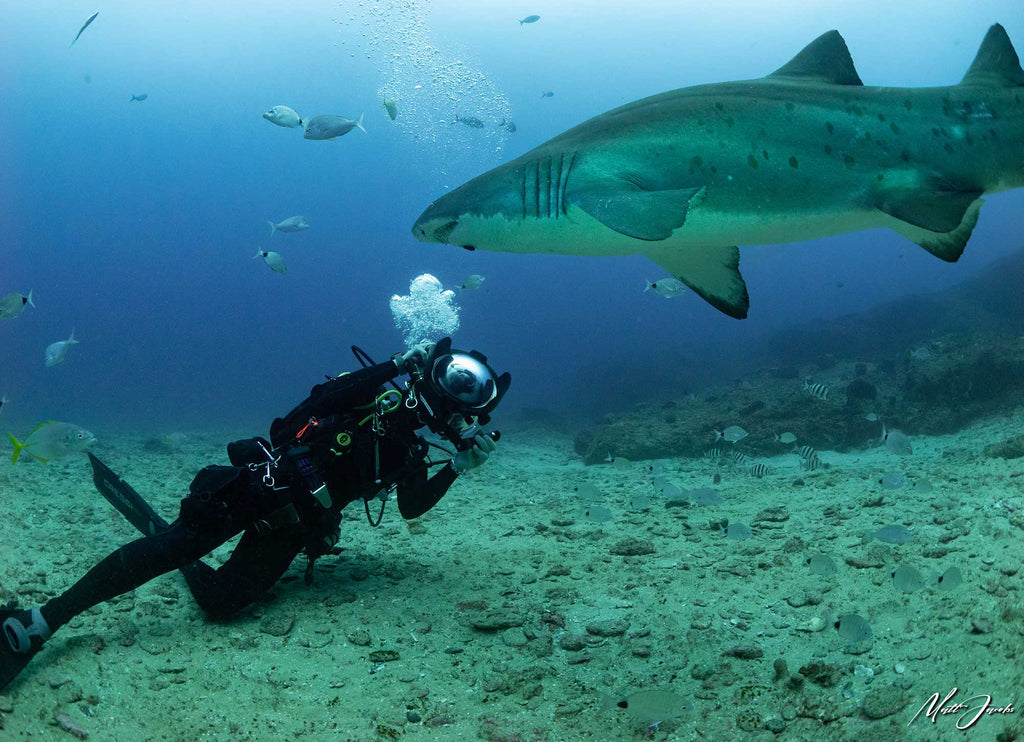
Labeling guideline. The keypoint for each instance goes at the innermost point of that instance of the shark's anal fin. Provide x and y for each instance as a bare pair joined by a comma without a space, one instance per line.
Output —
712,272
947,245
648,215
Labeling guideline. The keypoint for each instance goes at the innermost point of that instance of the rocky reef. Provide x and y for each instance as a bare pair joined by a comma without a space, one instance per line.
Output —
931,388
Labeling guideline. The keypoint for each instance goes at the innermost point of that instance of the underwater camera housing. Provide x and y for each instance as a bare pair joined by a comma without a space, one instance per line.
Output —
454,384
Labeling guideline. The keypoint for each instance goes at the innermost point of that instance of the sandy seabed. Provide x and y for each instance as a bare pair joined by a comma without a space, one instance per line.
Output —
509,614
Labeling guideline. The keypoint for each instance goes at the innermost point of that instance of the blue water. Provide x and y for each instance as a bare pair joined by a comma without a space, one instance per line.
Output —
135,223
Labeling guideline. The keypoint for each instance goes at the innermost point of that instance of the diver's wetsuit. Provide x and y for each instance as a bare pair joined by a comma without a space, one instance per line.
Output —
280,520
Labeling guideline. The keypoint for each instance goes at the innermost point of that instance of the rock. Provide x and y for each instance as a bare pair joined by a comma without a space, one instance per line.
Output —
631,547
744,652
776,514
883,701
572,642
861,389
496,620
359,637
608,627
277,624
1012,448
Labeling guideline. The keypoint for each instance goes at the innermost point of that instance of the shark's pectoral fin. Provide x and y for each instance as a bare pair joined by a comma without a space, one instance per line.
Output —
946,245
639,213
712,272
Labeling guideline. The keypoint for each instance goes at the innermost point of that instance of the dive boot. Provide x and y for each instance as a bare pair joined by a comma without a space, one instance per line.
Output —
23,634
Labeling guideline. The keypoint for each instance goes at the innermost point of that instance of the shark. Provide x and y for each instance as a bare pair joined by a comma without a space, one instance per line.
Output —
687,176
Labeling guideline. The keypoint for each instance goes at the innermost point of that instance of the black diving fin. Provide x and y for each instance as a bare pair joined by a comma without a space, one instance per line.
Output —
127,501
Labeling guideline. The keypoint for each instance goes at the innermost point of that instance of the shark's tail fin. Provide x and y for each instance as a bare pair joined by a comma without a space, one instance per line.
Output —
30,302
273,227
359,124
997,63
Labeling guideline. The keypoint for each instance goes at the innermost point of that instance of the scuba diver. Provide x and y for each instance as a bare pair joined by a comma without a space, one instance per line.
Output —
351,439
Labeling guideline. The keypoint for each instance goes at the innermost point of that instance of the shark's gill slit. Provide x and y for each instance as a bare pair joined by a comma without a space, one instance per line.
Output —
536,191
442,233
522,192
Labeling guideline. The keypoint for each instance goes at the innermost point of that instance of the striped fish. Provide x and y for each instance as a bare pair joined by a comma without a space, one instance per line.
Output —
739,457
816,390
806,452
812,463
714,454
758,470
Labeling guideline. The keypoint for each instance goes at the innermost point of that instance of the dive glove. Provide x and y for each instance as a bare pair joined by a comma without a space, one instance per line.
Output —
472,457
415,357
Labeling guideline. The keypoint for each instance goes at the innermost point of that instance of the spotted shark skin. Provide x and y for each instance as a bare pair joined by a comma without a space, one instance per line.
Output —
686,176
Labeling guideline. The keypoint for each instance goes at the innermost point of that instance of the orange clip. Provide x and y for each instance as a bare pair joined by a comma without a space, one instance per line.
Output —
313,422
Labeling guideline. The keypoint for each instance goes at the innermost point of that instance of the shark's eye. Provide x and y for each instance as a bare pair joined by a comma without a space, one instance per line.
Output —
442,233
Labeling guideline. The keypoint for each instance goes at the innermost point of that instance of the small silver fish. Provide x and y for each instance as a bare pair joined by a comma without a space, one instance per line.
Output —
283,116
547,94
596,513
14,304
52,440
871,417
472,283
785,438
57,352
471,121
3,402
896,442
140,97
907,579
664,487
529,19
508,125
732,434
291,224
819,391
705,496
820,564
652,706
273,260
84,26
667,287
328,128
853,628
894,534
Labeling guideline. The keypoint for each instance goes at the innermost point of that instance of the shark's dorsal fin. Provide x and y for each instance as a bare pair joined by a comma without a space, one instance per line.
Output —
826,59
996,64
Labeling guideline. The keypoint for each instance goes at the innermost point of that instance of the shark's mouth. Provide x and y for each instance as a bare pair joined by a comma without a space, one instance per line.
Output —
442,233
